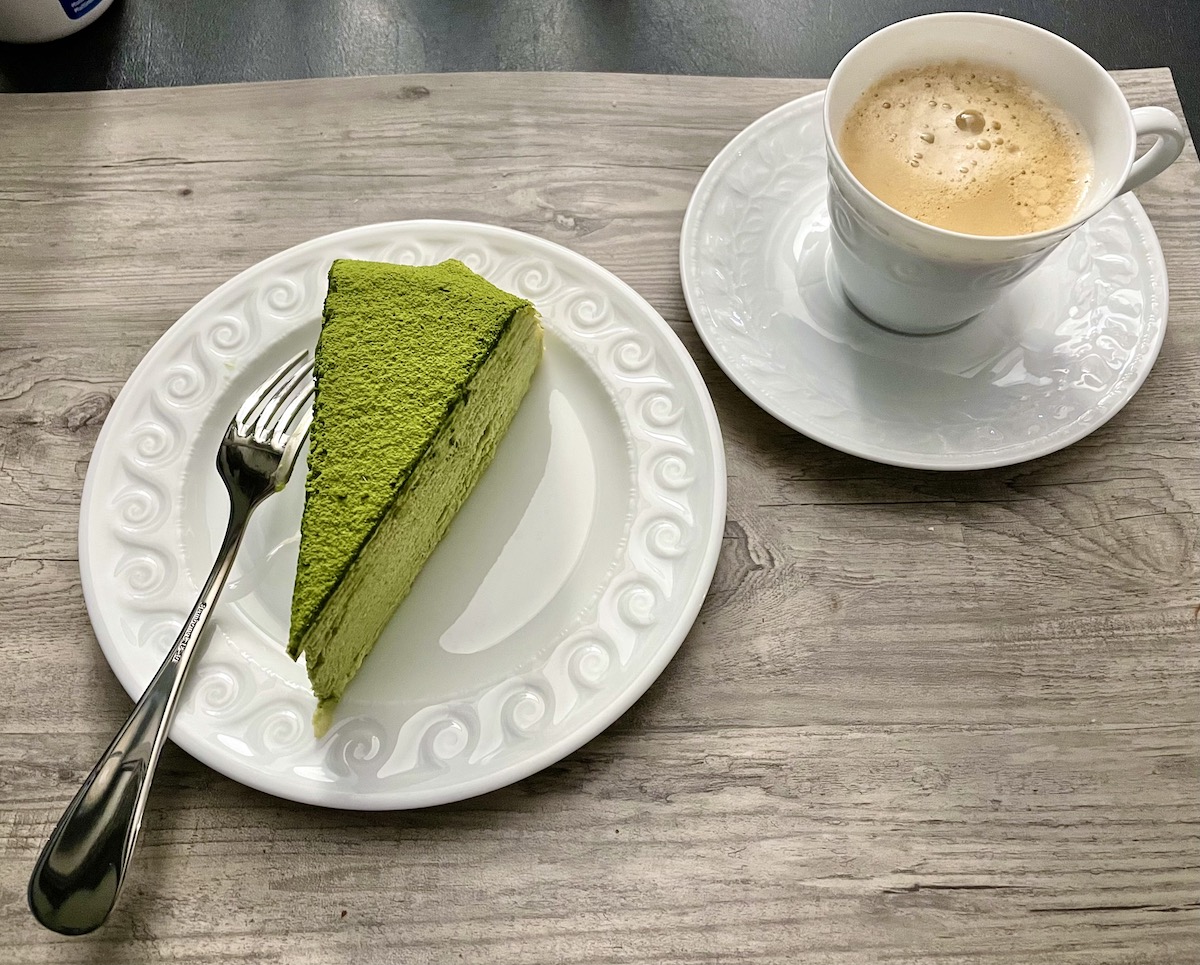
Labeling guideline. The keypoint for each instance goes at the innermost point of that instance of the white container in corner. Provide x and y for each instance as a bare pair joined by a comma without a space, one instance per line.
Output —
33,21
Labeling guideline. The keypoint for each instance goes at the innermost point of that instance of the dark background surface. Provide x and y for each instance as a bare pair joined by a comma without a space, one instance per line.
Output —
150,43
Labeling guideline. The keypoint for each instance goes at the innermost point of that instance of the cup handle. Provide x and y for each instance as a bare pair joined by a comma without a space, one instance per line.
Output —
1168,145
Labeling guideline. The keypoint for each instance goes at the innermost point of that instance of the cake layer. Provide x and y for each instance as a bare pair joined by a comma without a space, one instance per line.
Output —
420,371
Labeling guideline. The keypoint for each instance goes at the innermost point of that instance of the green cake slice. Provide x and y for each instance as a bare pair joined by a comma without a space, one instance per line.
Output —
419,372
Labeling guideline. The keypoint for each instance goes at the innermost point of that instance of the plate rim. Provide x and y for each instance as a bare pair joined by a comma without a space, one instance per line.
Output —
325,795
958,462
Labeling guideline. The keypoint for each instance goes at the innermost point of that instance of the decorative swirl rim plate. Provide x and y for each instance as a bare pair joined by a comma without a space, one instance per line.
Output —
1054,360
564,587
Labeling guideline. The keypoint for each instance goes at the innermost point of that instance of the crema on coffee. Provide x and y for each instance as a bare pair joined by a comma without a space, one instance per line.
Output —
967,147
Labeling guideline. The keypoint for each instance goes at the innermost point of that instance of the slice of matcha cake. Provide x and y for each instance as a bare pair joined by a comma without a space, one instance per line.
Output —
419,373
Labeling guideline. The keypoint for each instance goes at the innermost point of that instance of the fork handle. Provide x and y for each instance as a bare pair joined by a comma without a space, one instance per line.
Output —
79,873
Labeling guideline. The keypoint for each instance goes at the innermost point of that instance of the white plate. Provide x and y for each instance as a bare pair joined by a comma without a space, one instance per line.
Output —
563,588
1055,359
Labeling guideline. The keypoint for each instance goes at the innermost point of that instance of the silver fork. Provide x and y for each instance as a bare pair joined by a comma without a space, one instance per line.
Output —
79,874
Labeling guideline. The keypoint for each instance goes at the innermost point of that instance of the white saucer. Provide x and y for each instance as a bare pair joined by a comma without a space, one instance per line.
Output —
1055,359
564,586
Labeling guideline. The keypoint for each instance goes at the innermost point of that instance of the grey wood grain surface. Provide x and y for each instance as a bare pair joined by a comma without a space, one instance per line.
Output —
921,717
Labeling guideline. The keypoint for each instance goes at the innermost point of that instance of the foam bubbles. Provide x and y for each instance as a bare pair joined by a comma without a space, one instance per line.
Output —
971,121
939,157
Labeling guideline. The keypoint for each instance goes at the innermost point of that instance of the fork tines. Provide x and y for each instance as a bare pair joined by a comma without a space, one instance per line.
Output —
273,406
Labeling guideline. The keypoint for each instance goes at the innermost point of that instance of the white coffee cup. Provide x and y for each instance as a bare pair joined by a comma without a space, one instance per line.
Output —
918,279
34,21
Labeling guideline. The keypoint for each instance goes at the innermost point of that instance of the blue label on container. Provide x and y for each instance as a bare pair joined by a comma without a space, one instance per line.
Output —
77,8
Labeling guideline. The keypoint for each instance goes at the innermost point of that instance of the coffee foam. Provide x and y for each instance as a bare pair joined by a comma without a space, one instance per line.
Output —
967,147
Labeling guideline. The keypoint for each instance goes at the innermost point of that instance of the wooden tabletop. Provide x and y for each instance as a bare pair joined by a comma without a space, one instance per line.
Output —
921,717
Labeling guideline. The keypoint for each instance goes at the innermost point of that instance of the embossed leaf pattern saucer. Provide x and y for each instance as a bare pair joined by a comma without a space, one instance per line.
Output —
565,585
1055,359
